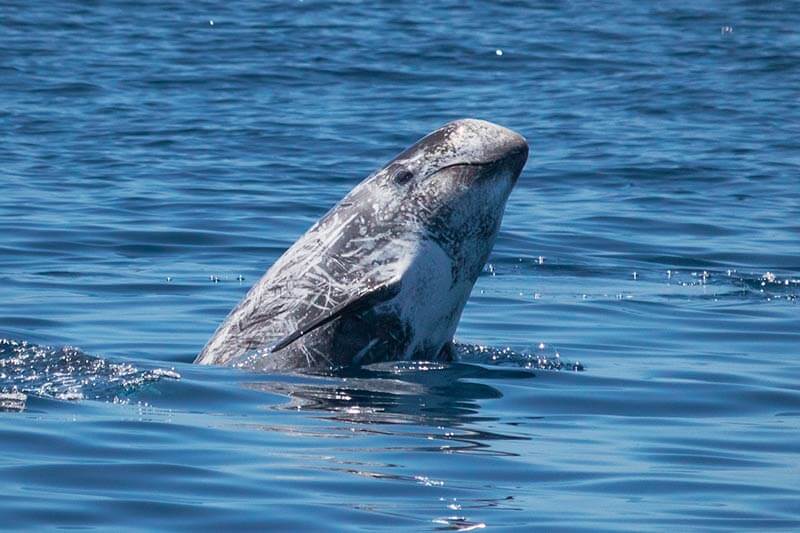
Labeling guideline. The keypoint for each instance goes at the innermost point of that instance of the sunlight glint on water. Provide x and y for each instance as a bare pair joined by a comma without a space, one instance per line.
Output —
156,159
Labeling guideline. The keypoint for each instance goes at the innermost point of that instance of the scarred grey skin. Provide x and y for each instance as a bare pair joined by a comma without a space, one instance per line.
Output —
385,274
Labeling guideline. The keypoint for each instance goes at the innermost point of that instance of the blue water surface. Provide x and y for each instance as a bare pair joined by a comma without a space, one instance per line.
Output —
157,157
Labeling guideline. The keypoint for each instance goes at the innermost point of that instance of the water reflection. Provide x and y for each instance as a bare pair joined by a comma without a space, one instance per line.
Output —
433,401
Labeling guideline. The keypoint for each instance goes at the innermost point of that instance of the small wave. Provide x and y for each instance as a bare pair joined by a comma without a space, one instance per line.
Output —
506,277
66,373
541,357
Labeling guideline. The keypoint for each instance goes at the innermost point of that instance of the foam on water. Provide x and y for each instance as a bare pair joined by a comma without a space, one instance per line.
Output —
66,373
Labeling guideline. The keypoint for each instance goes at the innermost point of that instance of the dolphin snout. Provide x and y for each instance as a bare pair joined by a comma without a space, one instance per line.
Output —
516,148
497,143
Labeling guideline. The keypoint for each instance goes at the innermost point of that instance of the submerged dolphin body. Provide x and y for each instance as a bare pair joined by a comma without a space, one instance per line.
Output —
385,274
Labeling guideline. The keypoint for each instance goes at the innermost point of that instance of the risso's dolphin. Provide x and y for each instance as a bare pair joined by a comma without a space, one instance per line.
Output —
385,274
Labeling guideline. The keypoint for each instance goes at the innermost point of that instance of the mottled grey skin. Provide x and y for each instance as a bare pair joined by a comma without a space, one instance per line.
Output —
406,245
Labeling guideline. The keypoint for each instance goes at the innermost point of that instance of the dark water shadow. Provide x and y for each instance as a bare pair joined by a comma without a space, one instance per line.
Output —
412,399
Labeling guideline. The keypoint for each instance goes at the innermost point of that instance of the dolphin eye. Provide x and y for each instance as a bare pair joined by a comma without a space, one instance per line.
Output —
402,175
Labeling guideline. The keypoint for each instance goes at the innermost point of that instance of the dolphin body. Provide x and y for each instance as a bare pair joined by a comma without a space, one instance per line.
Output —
385,274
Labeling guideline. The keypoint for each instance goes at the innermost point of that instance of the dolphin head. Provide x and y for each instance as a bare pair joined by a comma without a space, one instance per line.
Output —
385,274
451,187
465,142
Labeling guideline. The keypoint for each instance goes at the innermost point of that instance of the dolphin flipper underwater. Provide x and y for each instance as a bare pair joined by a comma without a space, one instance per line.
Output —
385,274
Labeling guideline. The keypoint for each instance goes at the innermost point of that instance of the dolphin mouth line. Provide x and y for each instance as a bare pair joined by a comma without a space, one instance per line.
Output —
467,164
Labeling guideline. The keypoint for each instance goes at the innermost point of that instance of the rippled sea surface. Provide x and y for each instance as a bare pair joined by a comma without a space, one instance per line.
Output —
156,158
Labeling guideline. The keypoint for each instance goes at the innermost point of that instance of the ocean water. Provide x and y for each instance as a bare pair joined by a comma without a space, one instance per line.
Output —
156,157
